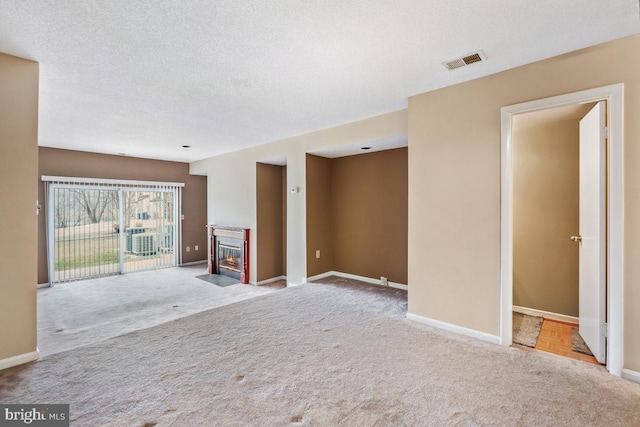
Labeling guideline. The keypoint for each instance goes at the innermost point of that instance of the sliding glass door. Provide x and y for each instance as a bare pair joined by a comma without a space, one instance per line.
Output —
99,230
84,233
148,230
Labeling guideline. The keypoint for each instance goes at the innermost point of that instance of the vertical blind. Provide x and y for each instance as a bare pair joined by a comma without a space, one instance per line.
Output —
99,227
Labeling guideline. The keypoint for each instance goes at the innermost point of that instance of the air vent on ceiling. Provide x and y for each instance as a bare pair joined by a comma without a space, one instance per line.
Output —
463,61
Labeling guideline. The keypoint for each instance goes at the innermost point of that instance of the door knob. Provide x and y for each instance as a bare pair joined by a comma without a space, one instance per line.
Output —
576,239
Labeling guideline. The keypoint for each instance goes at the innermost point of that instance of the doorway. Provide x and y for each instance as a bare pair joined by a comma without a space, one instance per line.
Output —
611,206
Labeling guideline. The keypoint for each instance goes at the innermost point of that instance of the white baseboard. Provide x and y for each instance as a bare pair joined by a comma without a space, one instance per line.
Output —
355,277
43,285
493,339
19,359
273,279
546,314
631,375
185,264
318,276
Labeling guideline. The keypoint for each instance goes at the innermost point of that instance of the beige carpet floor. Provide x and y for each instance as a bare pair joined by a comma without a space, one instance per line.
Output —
76,314
318,355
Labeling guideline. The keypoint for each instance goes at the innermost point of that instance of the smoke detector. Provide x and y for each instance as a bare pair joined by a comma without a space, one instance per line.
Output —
463,61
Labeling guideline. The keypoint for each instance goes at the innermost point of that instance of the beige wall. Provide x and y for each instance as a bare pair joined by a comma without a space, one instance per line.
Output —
454,184
269,221
231,191
57,162
357,214
545,214
370,214
18,195
320,232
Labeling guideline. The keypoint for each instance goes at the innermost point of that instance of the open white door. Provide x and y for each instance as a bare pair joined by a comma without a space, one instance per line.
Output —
592,238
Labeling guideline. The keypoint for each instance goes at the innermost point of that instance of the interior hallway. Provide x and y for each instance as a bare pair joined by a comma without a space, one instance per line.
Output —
76,314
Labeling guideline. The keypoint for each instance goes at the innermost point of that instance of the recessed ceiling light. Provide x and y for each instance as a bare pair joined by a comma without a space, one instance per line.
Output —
365,148
186,146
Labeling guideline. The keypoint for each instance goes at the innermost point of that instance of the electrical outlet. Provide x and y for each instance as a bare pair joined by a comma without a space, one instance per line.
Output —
188,249
384,281
318,253
195,248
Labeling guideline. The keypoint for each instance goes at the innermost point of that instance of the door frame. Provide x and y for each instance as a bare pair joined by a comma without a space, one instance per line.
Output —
614,95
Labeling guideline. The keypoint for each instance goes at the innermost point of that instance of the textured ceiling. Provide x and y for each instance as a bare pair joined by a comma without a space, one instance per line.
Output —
146,77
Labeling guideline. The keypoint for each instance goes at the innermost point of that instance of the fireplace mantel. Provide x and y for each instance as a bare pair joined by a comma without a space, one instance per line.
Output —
231,232
231,238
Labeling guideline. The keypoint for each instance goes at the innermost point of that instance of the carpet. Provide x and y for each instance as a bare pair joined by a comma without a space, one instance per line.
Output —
526,329
578,344
218,279
318,355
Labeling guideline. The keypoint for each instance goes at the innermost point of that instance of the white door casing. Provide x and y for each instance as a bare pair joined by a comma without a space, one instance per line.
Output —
592,308
614,95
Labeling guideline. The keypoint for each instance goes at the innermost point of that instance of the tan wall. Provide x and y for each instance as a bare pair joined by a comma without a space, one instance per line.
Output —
18,195
370,214
357,214
545,214
57,162
454,184
269,221
319,215
231,194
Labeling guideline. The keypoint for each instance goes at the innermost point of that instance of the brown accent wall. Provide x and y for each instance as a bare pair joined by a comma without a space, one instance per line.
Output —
369,204
270,224
357,214
319,215
545,214
454,184
18,195
70,163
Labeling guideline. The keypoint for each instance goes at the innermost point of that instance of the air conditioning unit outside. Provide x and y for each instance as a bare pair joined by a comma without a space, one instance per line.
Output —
143,244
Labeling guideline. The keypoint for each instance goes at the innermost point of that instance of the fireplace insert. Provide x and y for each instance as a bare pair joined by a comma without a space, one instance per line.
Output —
229,252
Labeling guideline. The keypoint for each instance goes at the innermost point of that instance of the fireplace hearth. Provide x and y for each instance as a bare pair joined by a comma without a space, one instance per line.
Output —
229,252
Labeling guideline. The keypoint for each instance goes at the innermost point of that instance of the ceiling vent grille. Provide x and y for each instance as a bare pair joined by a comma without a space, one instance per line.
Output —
463,61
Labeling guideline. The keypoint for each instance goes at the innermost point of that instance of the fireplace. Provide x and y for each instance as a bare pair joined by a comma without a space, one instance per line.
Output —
229,253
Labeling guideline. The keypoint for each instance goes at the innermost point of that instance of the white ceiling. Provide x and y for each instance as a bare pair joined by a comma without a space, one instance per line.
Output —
145,77
364,147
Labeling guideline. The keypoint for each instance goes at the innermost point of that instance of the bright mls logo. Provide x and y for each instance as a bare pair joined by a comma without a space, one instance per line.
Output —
34,415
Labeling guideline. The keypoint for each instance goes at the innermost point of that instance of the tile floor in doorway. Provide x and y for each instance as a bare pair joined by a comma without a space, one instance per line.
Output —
555,337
